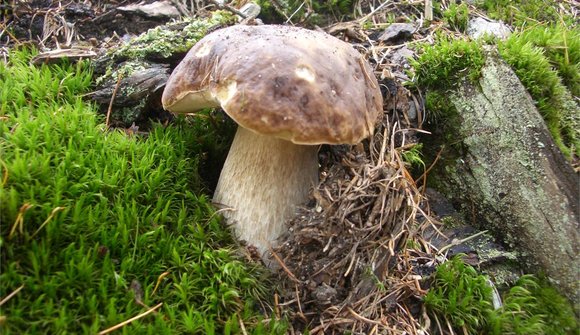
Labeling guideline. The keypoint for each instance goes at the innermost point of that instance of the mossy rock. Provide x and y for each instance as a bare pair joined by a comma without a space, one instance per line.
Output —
502,165
532,54
137,71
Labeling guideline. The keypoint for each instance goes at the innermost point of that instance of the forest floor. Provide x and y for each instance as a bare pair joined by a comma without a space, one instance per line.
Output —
359,258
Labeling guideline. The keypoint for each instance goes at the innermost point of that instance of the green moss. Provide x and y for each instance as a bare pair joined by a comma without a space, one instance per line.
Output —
178,37
559,314
532,306
269,13
414,157
442,117
163,43
460,295
521,12
463,297
538,56
452,222
310,12
442,65
543,57
560,44
160,43
440,109
457,16
96,224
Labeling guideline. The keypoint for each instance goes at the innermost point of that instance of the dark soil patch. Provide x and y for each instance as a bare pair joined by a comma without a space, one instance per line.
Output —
47,22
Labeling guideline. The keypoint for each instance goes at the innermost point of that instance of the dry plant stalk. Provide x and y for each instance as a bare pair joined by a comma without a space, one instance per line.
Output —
55,25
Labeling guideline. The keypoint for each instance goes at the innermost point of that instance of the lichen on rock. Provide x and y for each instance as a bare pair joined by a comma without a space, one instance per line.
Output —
506,170
138,69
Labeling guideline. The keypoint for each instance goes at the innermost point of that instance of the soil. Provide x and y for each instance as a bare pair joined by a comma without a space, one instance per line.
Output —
94,22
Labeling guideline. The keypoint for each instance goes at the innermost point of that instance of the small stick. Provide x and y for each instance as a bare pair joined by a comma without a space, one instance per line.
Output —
111,102
373,12
300,312
454,243
229,8
5,174
8,297
364,70
322,327
426,319
429,10
126,322
19,222
242,327
159,279
362,318
7,31
424,175
277,258
276,306
52,214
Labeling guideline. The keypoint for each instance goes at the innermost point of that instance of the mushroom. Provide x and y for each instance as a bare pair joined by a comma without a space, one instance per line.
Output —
290,90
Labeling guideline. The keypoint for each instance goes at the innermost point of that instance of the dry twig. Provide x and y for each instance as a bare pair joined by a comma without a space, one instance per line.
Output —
8,297
126,322
110,108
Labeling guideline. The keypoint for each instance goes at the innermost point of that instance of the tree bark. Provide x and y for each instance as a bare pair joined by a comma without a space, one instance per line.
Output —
502,165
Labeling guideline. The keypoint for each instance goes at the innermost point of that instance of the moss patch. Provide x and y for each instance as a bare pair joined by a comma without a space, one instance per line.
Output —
157,44
96,225
544,59
460,295
457,16
521,12
560,44
464,298
441,66
164,41
533,306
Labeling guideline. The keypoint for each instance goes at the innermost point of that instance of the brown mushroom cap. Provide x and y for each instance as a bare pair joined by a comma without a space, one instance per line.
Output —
304,86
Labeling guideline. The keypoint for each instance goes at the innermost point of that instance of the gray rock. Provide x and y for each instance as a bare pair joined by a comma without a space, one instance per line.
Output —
526,194
412,112
252,10
157,9
325,294
479,27
401,55
397,31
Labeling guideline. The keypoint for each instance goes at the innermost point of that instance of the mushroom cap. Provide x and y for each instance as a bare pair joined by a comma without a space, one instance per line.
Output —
300,85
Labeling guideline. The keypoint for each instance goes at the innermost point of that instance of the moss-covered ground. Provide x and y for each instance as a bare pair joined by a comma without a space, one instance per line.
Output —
99,226
462,299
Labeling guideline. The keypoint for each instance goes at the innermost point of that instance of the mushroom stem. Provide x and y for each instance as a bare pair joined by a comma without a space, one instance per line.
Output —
262,181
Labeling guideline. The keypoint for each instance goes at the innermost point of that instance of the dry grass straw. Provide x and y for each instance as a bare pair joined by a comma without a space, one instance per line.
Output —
349,252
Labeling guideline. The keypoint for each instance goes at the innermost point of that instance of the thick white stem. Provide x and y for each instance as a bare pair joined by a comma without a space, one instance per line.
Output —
262,181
